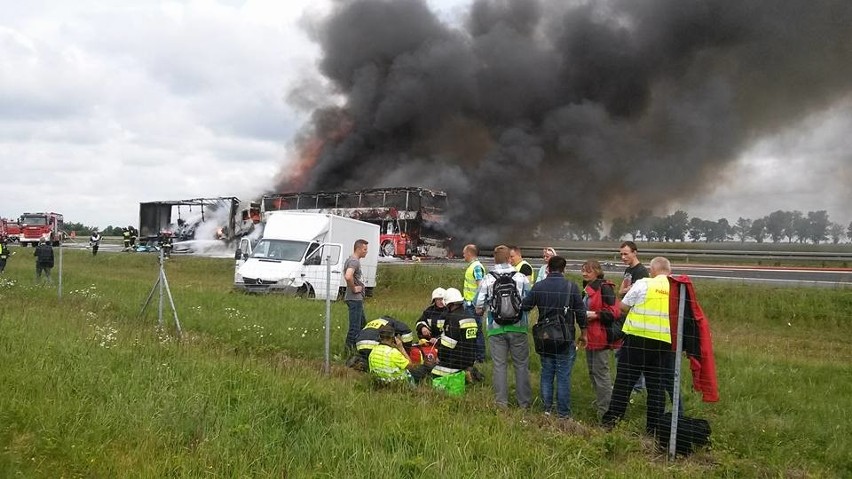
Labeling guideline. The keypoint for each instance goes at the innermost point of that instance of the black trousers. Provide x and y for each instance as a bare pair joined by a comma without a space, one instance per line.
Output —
641,356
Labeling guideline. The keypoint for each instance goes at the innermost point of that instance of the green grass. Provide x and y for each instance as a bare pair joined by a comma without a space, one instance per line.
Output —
89,389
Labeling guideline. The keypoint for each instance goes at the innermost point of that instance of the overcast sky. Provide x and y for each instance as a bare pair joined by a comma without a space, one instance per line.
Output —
104,105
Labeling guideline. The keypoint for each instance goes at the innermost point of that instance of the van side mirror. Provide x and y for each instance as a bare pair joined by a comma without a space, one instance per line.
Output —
238,254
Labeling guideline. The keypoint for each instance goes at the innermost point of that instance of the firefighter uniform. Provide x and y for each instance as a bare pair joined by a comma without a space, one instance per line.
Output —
457,344
4,254
125,233
368,338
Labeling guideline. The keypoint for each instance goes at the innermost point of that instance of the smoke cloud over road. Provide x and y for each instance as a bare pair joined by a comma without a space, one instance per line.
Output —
536,111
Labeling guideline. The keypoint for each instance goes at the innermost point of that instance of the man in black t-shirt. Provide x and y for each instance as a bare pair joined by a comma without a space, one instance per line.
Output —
633,273
635,270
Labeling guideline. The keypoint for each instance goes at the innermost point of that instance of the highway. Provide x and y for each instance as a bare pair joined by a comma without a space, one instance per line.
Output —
814,277
782,276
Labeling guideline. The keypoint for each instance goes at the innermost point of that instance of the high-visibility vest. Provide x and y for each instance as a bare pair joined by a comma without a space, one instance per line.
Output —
470,286
531,276
650,318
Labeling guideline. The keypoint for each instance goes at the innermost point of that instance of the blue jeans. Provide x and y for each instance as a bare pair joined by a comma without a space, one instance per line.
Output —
480,332
357,321
557,366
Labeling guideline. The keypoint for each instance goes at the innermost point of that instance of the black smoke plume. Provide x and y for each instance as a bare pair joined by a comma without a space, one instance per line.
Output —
540,111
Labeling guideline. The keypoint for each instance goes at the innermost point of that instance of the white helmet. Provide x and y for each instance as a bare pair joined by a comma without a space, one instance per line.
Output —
438,293
452,295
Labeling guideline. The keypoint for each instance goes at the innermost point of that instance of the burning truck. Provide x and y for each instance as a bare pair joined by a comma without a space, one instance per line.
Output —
410,219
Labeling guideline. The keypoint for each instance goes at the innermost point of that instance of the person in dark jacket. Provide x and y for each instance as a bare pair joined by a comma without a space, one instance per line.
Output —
4,253
457,345
431,321
95,242
558,299
44,259
368,338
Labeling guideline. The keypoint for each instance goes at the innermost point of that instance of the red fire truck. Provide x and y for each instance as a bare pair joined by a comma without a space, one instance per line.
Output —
35,226
410,218
10,230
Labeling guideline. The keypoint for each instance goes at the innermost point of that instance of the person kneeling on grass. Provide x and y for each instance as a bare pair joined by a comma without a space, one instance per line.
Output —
389,363
368,338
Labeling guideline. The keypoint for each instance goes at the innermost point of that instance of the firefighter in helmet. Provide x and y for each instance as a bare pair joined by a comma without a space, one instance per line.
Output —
165,242
125,234
368,338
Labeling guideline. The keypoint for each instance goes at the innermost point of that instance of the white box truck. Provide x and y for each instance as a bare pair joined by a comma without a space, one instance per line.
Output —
293,254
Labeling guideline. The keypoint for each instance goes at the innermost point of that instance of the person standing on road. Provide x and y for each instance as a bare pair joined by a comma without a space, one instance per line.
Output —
125,234
520,264
507,335
647,346
44,259
472,279
354,296
95,242
633,273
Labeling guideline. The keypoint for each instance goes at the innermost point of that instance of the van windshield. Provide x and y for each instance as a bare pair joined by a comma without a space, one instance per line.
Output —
282,250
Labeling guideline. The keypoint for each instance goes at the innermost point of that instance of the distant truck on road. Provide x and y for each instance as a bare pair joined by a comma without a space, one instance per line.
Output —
11,230
35,226
294,253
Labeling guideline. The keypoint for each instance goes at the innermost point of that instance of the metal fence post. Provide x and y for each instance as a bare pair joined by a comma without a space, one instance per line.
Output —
676,393
327,365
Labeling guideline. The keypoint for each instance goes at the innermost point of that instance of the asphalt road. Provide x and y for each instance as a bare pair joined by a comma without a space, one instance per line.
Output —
818,277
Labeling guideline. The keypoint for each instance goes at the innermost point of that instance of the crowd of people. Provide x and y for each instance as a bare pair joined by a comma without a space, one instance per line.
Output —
631,320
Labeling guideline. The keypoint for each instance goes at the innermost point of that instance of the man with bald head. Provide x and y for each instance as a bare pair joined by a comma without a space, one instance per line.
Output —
647,346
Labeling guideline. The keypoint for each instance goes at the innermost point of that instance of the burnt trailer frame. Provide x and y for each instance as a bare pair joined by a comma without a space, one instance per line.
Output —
155,216
418,211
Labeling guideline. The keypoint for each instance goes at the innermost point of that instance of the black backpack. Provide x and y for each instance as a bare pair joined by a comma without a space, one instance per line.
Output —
505,302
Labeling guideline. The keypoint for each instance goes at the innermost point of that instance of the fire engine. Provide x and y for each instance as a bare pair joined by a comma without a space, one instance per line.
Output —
410,219
11,230
35,226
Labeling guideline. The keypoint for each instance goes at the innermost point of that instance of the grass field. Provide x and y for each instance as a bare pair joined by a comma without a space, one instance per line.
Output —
89,389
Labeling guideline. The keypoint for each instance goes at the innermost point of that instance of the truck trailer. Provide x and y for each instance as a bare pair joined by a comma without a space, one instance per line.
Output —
410,219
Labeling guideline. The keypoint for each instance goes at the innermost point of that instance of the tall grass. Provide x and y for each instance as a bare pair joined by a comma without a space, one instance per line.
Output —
90,389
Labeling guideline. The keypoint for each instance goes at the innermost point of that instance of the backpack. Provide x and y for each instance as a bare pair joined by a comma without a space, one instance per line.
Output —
505,301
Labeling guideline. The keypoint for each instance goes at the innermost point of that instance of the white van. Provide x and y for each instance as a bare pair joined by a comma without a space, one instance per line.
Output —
293,255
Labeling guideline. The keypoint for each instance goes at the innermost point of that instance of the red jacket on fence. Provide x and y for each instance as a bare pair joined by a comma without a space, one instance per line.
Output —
697,341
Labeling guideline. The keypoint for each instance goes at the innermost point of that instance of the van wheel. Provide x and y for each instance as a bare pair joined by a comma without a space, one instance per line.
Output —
305,291
387,248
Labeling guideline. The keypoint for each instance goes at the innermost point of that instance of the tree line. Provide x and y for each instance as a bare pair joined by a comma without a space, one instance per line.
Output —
779,226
